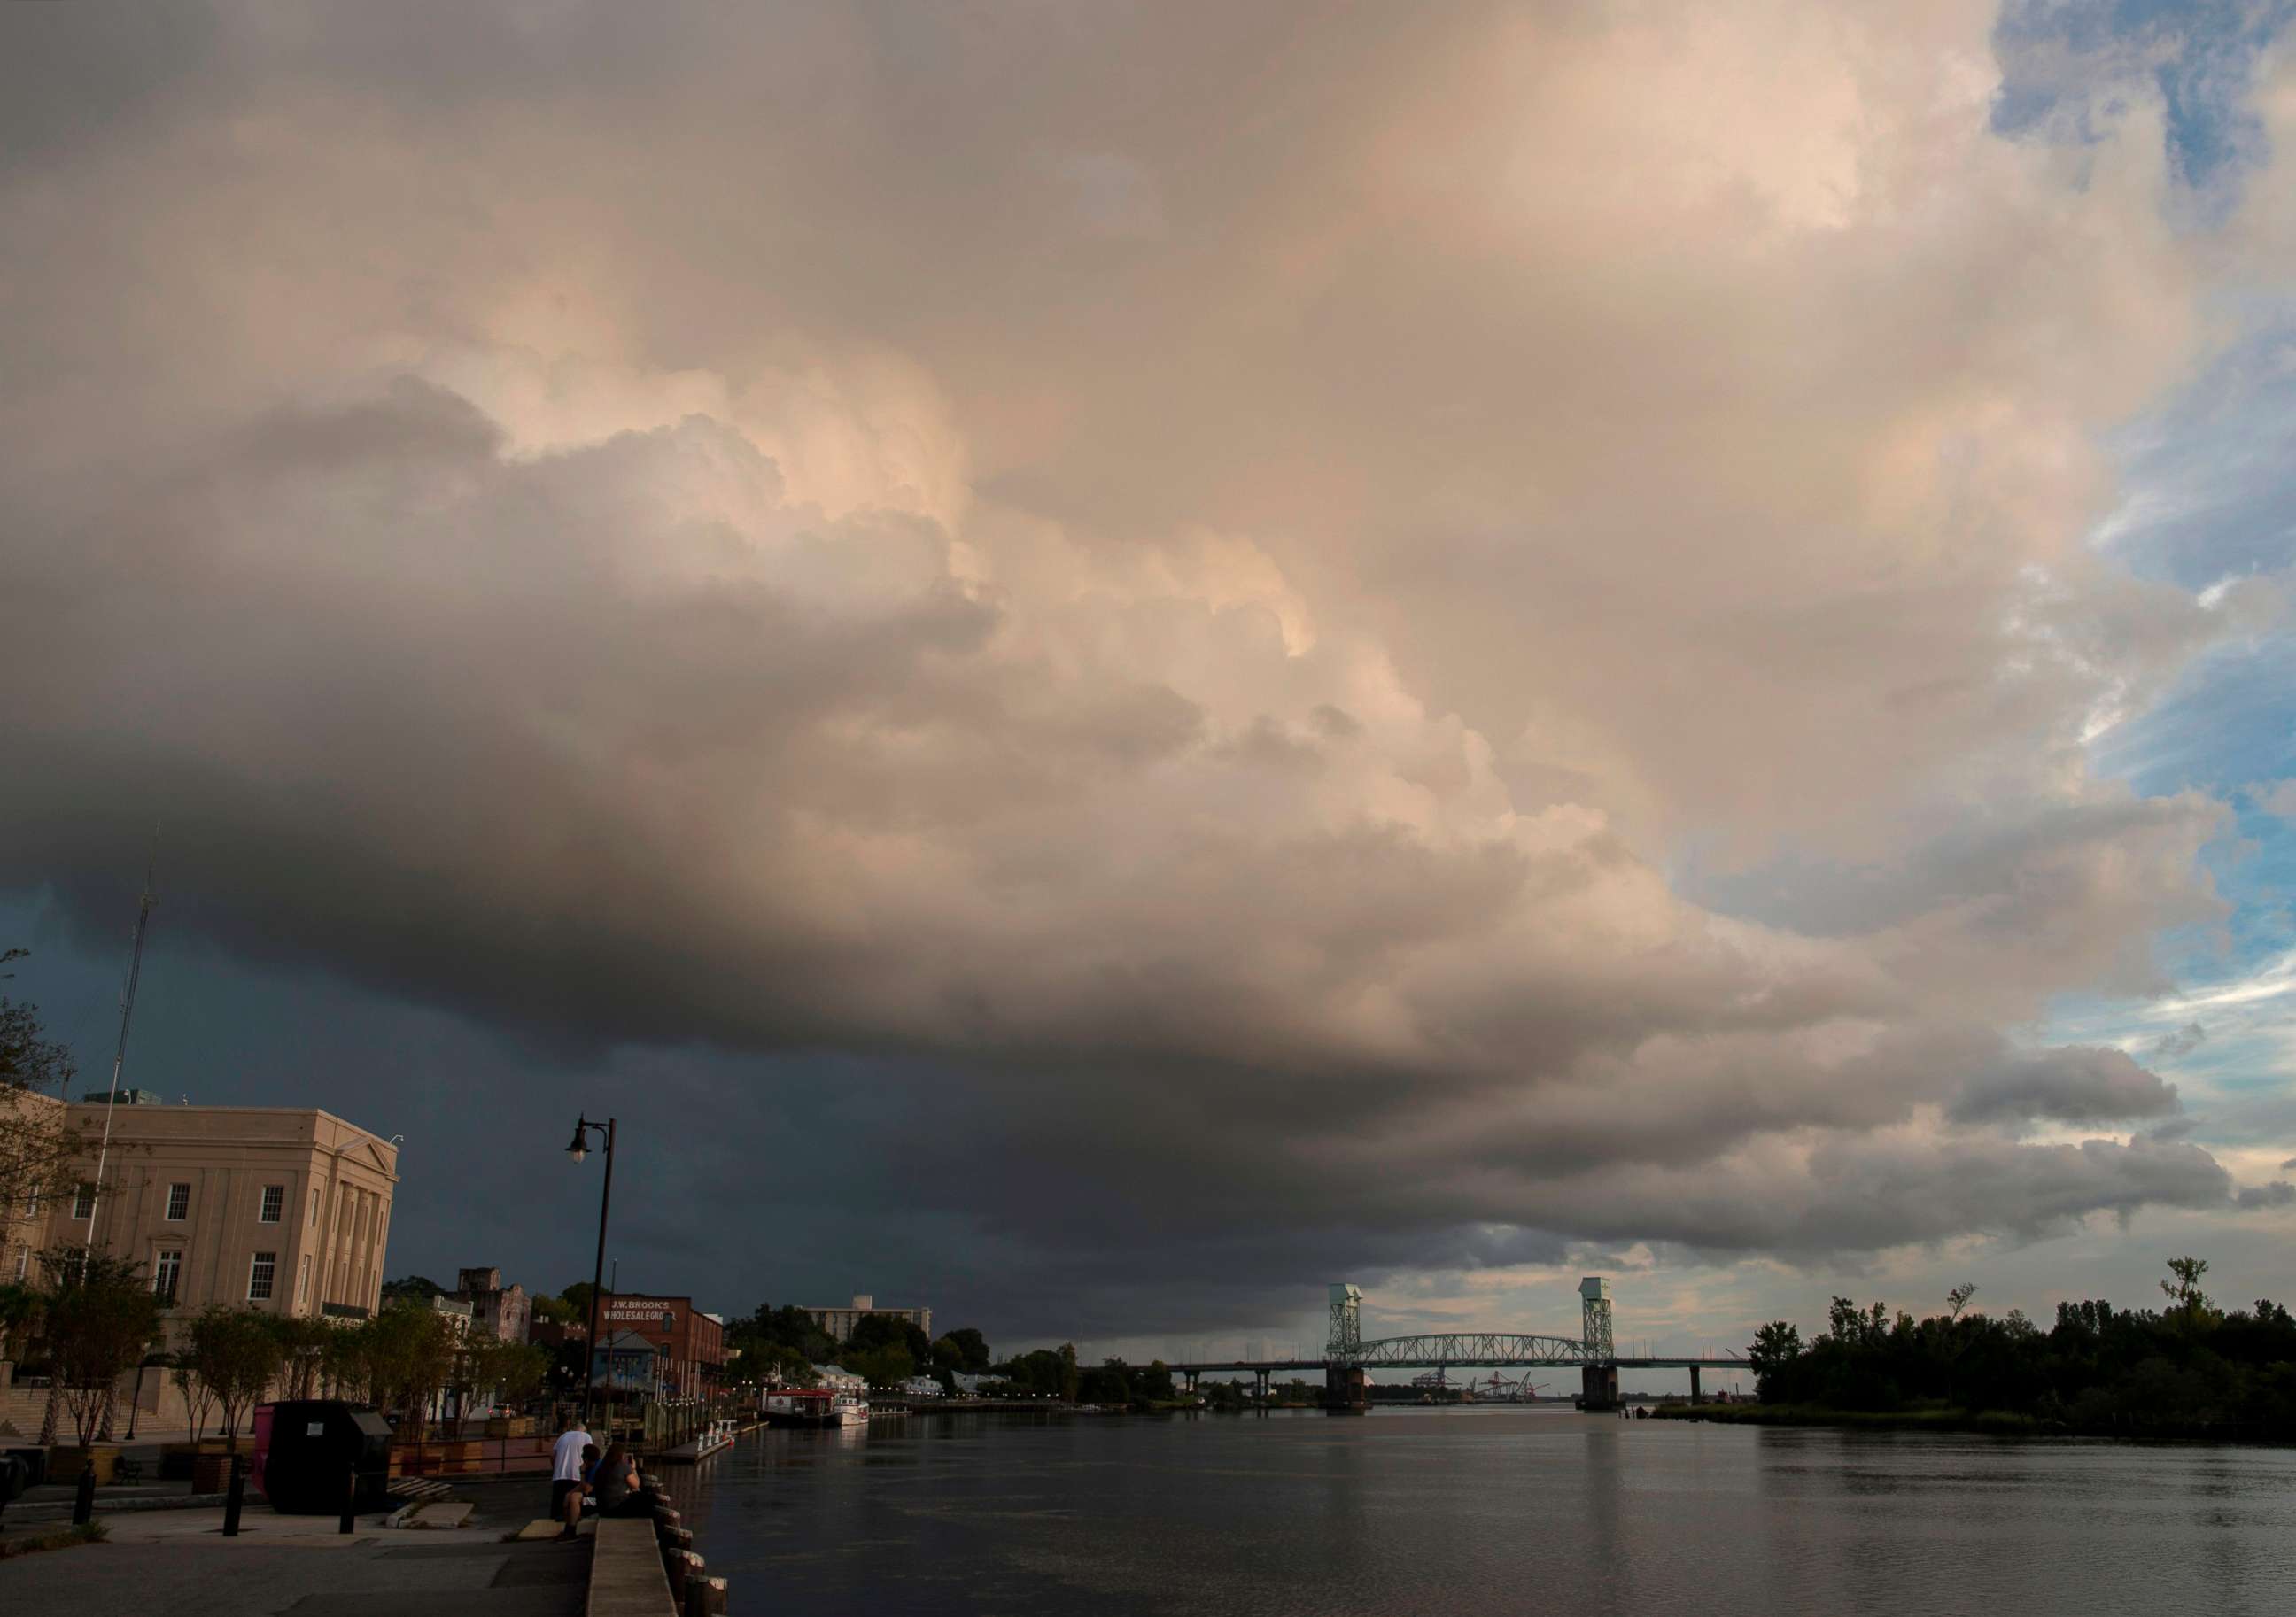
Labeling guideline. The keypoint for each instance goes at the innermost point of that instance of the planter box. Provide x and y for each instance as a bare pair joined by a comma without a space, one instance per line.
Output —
177,1460
211,1469
65,1463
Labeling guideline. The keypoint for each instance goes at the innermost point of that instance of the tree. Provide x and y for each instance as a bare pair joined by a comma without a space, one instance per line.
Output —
414,1289
2185,1289
556,1311
39,1150
969,1351
303,1345
1775,1348
881,1367
404,1356
98,1320
487,1368
236,1354
1958,1298
1155,1382
519,1369
19,1313
197,1400
342,1362
890,1330
770,1361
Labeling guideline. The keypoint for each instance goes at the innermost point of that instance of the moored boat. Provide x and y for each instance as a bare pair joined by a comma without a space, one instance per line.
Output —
814,1407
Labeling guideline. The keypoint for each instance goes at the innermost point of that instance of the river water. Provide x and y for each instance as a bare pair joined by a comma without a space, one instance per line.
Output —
1490,1509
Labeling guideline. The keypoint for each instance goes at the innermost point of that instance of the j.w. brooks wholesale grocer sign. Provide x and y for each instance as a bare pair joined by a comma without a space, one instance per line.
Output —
633,1310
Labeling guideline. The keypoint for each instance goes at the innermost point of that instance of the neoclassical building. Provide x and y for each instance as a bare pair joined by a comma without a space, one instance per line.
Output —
282,1209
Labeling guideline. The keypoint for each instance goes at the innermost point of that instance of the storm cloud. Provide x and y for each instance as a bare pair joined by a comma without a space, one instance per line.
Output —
1396,645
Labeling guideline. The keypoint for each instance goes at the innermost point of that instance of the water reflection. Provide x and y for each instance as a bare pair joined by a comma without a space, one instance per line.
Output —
1413,1511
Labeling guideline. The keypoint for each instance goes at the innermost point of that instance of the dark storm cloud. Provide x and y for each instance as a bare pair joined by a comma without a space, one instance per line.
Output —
1036,586
2070,1085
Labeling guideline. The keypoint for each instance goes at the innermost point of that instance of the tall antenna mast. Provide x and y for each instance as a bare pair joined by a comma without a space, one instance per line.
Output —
119,1054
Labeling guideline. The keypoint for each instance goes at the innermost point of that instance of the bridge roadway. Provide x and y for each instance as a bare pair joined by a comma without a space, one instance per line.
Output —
1346,1375
1270,1366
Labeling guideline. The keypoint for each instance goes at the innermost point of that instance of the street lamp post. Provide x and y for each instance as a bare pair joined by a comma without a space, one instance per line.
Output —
577,1151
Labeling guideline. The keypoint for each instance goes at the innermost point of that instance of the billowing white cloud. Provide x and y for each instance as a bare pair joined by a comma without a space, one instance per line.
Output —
1218,593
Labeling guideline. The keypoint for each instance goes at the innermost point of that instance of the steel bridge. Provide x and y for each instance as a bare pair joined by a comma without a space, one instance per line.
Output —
1348,1359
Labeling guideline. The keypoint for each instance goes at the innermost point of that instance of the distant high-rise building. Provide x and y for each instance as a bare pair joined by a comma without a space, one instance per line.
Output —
839,1322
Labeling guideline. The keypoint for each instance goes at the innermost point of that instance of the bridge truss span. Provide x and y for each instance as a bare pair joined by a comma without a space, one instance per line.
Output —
1493,1349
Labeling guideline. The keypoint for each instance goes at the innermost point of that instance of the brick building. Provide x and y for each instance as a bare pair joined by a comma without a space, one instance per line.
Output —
690,1344
497,1311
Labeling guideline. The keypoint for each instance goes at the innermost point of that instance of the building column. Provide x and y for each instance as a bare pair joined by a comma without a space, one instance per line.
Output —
360,1215
1695,1398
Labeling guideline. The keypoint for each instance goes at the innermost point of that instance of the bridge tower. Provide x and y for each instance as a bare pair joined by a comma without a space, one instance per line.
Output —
1598,1381
1345,1342
1347,1390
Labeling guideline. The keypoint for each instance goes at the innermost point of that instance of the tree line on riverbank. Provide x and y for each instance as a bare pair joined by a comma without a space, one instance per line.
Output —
2187,1366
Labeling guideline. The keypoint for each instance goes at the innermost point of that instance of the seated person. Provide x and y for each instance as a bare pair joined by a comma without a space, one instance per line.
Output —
614,1485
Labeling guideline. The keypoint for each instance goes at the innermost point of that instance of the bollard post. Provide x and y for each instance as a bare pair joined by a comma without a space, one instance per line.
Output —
234,1496
351,1499
705,1597
84,1497
681,1565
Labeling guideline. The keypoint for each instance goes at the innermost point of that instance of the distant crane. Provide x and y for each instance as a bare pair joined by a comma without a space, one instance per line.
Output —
1500,1389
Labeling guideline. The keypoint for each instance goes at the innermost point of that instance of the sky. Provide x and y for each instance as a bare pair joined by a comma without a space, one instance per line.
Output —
1098,664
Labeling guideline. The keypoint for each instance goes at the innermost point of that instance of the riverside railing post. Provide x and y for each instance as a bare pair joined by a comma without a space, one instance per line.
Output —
350,1497
234,1496
84,1499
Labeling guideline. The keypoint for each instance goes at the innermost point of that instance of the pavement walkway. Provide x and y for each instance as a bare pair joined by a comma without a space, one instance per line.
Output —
178,1562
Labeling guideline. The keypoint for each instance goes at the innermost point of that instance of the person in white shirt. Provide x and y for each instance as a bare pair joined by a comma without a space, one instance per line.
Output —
566,1485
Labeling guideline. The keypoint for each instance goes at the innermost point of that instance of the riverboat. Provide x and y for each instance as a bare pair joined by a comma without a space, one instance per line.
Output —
814,1407
717,1434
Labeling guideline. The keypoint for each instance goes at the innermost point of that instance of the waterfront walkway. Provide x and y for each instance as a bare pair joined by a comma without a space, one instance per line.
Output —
179,1563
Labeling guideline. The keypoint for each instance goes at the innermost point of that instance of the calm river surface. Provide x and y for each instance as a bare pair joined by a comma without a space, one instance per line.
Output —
1496,1509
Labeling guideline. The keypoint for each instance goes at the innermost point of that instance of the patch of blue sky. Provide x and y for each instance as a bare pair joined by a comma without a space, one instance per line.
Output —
2210,481
2209,487
2064,63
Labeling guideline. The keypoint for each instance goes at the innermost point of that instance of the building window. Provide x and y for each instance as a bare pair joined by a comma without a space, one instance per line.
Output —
275,1201
23,1262
314,1206
258,1276
84,1206
32,1203
166,1273
179,1203
303,1280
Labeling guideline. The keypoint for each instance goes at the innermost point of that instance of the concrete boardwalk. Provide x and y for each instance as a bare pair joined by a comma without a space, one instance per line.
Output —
178,1562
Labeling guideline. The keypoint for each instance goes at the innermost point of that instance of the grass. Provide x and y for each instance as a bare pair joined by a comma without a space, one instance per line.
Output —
61,1537
1927,1417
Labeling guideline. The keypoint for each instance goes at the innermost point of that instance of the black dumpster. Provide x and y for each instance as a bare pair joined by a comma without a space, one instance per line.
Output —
305,1448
